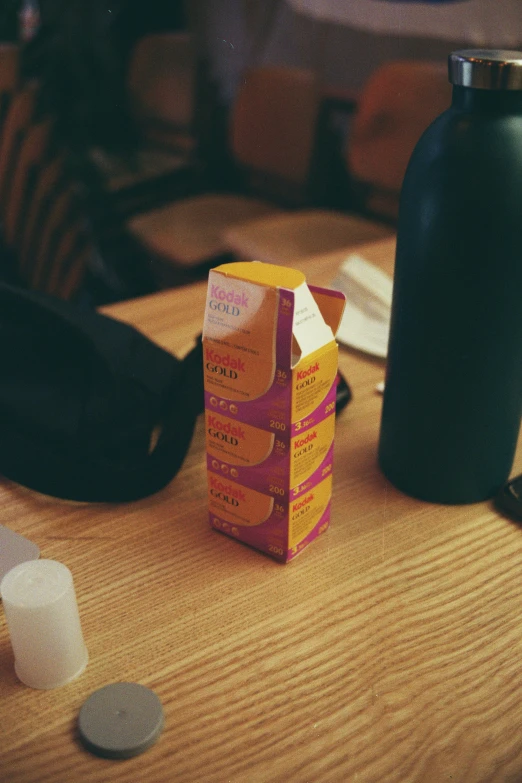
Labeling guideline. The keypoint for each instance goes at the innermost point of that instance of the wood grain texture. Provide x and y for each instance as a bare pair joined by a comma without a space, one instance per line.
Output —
388,651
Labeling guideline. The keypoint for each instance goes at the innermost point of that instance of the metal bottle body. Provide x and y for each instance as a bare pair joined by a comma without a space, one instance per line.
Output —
453,397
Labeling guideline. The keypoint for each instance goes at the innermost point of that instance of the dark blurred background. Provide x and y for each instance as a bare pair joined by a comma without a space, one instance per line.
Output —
175,124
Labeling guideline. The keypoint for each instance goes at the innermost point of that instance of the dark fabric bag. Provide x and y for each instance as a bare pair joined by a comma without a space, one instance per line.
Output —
82,398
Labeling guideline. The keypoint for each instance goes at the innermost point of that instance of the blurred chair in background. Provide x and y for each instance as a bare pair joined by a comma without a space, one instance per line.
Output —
17,119
166,163
44,234
93,65
55,246
162,86
8,75
272,137
271,206
398,103
49,239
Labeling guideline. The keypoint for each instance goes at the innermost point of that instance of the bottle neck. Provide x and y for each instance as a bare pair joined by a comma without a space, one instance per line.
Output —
492,101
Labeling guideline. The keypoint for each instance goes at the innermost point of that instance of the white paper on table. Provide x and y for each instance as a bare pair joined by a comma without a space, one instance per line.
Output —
366,321
309,328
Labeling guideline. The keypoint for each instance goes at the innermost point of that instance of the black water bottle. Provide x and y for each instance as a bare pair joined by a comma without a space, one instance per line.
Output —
453,398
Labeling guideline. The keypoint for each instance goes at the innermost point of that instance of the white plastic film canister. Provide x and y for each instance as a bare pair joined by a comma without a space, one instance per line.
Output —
44,623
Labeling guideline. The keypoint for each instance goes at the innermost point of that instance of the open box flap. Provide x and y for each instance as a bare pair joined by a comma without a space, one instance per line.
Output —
317,315
331,303
309,329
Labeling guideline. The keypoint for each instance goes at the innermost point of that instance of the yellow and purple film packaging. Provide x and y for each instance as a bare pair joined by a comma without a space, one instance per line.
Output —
270,370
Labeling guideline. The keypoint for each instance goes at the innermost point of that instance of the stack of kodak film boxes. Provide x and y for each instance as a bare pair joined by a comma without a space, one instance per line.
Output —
270,369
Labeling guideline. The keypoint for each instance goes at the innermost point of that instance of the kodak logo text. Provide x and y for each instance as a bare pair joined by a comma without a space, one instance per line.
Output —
303,502
298,442
232,297
225,360
229,428
301,374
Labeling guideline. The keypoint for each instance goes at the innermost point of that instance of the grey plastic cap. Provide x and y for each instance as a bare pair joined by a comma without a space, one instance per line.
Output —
121,720
486,69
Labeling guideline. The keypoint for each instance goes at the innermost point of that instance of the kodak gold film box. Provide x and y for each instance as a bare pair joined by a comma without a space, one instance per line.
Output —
270,369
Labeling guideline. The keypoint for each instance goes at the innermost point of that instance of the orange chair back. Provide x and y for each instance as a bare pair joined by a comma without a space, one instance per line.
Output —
274,120
397,104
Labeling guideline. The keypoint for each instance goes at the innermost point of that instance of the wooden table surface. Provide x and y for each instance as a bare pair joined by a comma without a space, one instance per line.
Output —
388,651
